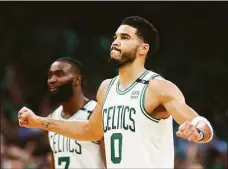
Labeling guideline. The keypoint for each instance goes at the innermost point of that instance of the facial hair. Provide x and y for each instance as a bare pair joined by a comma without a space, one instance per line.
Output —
63,93
126,58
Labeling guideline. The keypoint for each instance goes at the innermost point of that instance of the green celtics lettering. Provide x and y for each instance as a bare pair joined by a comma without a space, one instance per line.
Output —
119,117
64,144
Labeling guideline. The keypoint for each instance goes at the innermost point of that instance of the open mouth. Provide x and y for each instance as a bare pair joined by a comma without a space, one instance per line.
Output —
52,88
114,50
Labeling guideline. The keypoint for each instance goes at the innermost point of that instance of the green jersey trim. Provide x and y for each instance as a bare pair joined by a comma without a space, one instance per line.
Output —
142,102
109,87
122,92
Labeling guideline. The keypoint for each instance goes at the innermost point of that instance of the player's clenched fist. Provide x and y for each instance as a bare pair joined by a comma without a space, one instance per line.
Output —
189,132
27,118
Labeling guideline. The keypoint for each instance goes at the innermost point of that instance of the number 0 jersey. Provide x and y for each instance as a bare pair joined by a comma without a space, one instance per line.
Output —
133,139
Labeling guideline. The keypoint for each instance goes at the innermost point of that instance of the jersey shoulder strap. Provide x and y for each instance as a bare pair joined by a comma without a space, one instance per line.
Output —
146,79
56,112
108,89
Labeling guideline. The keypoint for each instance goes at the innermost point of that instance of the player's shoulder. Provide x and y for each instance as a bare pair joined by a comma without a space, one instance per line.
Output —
104,85
163,87
103,89
159,82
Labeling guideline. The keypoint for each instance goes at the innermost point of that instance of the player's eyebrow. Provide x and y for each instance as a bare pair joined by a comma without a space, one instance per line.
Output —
121,34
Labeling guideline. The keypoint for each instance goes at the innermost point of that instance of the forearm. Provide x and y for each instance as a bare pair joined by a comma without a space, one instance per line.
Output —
78,130
174,102
205,127
182,113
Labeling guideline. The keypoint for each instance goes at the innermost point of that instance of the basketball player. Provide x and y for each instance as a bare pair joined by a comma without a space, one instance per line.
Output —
135,109
65,82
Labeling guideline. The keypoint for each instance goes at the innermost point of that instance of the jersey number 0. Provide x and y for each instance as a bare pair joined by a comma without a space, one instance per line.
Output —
116,147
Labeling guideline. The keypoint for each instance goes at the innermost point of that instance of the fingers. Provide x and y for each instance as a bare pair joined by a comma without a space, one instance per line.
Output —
23,123
24,112
23,109
180,134
191,138
22,117
187,131
185,126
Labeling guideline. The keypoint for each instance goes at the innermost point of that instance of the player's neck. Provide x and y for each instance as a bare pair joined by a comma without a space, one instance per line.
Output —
129,73
74,104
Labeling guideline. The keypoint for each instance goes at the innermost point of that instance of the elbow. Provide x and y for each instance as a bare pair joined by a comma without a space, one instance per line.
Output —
82,133
93,134
97,137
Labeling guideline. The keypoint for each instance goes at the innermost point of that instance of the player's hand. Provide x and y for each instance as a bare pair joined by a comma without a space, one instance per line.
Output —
27,118
189,132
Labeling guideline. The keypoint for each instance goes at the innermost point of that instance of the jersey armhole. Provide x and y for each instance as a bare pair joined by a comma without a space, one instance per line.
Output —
142,101
107,91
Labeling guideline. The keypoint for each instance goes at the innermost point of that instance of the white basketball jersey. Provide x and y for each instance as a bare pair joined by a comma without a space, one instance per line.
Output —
133,139
71,154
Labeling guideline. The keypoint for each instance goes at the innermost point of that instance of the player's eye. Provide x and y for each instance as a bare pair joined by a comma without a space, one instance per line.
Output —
59,74
124,37
49,75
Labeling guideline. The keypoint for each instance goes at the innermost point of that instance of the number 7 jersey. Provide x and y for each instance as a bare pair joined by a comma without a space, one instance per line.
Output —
133,139
71,154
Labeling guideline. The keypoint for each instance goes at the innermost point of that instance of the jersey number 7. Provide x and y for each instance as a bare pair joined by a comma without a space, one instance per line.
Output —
65,160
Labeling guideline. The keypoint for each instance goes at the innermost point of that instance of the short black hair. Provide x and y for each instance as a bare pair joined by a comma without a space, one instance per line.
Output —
145,30
76,64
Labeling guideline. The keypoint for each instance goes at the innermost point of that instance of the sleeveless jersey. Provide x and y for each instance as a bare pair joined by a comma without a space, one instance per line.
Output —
133,139
71,154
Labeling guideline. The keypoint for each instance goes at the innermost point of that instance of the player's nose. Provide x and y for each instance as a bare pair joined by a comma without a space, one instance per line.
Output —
52,81
116,43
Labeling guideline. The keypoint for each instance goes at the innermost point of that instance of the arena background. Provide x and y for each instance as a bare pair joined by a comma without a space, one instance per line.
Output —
192,55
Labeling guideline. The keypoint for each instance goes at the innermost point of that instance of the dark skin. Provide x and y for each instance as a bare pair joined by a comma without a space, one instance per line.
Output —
60,73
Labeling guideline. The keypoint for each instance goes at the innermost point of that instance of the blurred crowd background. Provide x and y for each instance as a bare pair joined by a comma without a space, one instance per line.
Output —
192,55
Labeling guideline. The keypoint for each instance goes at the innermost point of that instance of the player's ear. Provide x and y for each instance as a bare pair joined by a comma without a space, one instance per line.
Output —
77,81
144,48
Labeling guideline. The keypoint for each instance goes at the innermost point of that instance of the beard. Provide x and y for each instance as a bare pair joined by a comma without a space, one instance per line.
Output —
62,94
126,58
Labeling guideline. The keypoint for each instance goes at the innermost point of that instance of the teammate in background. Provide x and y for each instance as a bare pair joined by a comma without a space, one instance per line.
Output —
135,109
65,82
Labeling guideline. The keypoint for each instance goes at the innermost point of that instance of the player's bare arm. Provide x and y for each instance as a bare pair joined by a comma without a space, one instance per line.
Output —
192,126
50,155
83,130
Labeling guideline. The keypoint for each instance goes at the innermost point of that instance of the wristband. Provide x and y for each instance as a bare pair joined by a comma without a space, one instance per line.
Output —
201,134
200,118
